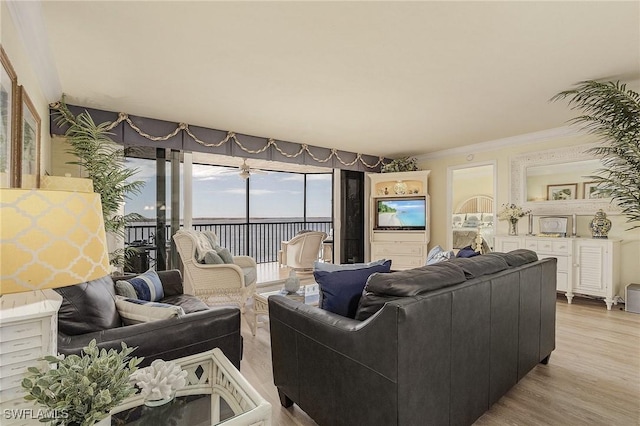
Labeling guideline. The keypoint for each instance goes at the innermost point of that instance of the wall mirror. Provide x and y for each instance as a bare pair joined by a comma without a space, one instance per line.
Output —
471,204
557,182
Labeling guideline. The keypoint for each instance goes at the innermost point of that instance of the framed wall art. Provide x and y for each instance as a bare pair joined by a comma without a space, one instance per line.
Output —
591,192
8,123
30,125
565,191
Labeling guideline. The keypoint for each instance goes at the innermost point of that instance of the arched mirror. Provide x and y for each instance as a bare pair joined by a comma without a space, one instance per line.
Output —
471,204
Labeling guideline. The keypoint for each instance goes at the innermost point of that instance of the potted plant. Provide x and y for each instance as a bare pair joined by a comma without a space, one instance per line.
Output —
404,164
104,162
81,390
612,112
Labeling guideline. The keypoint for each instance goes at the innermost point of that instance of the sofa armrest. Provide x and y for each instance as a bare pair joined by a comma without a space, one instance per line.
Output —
171,338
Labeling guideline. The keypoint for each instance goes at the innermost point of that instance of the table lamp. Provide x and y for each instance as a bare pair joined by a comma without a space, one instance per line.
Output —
50,239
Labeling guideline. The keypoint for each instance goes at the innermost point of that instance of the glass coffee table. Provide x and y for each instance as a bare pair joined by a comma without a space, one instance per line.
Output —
215,394
308,294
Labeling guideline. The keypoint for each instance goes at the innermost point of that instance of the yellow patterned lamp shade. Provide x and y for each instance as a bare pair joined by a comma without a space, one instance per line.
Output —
50,239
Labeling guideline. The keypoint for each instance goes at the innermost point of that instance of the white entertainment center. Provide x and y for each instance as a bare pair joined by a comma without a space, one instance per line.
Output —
404,242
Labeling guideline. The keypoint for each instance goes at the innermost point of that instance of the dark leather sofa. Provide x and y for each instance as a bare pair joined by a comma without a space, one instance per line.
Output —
440,344
89,312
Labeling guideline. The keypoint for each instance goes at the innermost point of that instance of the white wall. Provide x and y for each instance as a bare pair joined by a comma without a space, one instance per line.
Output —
630,261
12,45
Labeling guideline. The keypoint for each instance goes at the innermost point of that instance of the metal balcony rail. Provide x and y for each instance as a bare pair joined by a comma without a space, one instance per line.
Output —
260,240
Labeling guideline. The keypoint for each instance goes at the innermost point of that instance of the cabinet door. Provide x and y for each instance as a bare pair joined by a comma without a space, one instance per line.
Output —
504,245
590,274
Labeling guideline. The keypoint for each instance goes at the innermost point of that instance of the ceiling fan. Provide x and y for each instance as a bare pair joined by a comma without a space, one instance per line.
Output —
246,171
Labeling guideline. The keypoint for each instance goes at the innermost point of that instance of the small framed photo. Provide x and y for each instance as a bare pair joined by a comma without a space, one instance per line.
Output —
591,191
566,191
30,143
8,123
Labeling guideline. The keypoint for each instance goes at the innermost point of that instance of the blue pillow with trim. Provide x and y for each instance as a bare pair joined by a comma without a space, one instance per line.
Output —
340,291
147,286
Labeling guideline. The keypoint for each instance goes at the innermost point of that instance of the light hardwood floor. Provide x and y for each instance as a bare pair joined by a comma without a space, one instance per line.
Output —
593,377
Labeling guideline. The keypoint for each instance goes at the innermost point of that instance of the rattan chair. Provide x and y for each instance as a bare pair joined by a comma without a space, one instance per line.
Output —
215,284
301,251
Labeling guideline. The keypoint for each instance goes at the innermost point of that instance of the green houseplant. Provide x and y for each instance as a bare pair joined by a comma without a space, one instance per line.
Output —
81,390
104,162
612,112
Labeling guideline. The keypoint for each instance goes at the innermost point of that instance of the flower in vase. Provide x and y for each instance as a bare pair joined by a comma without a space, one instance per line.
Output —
159,380
512,213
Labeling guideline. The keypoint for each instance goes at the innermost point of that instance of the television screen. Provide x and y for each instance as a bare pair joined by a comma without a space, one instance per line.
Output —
405,213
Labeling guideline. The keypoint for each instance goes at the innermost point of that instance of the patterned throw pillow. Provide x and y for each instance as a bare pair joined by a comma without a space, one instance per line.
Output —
134,311
147,286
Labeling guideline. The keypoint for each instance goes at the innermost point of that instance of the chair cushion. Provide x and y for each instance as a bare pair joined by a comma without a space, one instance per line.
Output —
135,311
250,275
88,307
340,291
212,257
147,286
224,254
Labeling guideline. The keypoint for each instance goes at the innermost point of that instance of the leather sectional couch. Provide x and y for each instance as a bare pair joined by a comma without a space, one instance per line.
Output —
89,312
440,344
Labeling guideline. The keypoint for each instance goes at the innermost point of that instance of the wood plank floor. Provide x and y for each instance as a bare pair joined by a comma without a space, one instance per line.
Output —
593,377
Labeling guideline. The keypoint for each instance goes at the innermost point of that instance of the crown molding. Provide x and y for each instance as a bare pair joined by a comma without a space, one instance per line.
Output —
28,18
494,145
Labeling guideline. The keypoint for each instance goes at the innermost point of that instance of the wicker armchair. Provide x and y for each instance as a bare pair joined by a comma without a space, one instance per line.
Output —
215,284
301,251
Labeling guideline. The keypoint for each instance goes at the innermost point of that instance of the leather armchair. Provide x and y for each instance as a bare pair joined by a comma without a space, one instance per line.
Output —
89,312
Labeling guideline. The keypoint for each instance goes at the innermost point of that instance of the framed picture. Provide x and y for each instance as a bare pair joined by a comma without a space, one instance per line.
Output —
565,191
29,143
8,123
591,192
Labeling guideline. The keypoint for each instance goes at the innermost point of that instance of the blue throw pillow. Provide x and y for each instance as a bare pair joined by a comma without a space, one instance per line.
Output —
340,291
148,286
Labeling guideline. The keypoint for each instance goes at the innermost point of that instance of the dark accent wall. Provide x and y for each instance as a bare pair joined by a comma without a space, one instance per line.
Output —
352,217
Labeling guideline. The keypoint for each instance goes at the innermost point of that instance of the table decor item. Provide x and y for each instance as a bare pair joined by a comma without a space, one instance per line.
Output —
82,390
512,213
292,284
600,225
159,382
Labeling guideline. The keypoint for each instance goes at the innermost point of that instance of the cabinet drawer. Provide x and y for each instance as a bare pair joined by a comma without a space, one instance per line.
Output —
398,250
20,368
20,331
560,247
20,344
406,262
31,354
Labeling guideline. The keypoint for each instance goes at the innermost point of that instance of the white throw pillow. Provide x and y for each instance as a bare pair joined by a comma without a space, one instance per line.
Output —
135,311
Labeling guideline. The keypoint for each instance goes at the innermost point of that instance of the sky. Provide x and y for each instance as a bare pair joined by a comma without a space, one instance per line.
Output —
219,192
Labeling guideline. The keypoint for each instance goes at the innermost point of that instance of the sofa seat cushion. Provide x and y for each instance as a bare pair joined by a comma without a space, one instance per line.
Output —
382,288
135,311
187,302
88,307
340,290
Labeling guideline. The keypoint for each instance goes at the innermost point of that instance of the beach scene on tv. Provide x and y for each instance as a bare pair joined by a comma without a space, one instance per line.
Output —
401,213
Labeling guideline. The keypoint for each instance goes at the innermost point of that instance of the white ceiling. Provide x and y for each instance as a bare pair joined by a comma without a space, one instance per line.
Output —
383,78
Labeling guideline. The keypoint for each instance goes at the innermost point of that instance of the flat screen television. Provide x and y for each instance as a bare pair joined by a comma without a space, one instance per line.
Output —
401,214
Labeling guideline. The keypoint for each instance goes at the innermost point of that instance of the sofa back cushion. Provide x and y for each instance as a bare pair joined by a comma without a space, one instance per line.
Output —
88,307
382,288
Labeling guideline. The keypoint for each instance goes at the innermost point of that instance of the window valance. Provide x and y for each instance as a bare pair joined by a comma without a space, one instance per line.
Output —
130,130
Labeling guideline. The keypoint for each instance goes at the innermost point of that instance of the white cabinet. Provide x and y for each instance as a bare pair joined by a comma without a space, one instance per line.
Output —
406,244
28,331
596,269
585,266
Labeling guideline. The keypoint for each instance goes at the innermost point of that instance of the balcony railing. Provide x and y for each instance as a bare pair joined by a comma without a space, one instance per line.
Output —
258,240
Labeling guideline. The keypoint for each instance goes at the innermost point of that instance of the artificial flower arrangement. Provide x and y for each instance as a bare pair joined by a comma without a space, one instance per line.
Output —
511,212
160,380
